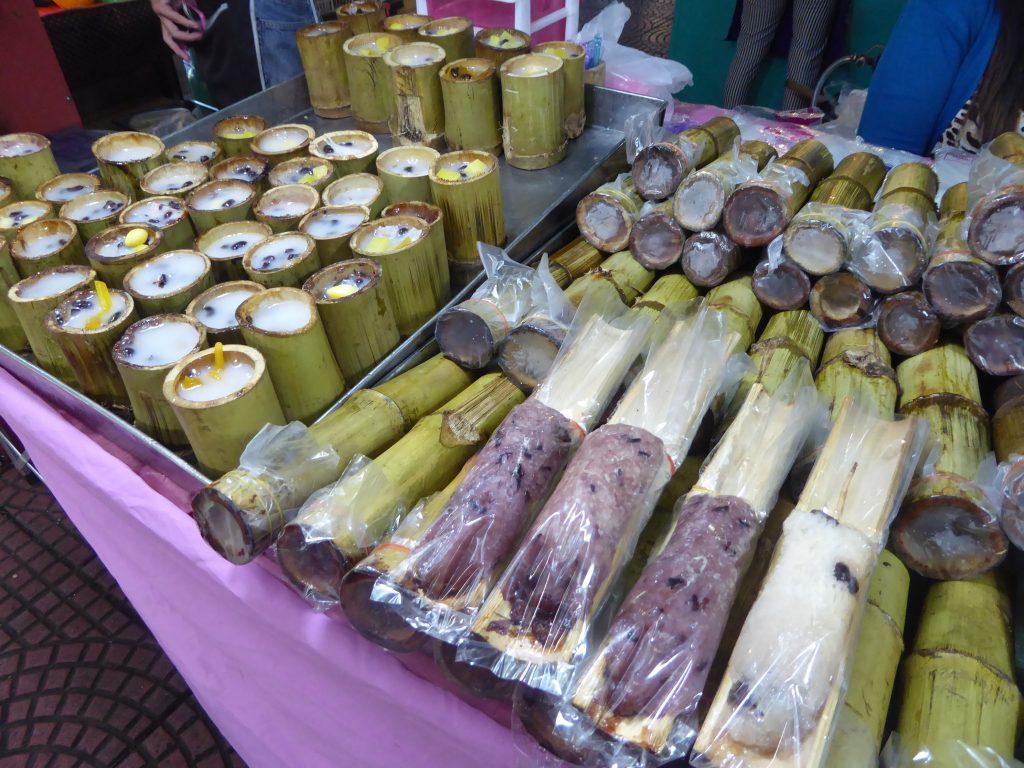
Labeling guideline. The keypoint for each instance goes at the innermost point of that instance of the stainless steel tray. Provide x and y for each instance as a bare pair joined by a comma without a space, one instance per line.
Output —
539,216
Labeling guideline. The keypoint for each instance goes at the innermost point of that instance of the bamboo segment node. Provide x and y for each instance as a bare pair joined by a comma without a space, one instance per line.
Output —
573,261
620,271
742,310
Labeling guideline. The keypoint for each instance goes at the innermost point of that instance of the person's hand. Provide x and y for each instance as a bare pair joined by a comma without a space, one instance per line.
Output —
176,28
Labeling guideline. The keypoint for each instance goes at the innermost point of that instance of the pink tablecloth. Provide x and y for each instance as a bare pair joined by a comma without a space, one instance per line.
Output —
287,686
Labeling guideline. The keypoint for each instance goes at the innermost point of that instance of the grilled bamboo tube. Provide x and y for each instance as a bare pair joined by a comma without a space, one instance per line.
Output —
46,244
472,105
841,300
499,44
466,186
172,302
237,206
241,514
323,61
218,315
234,134
995,234
363,16
758,211
656,240
369,81
453,33
12,335
907,325
248,168
26,161
57,190
418,114
709,258
782,287
532,91
282,208
112,258
698,202
93,212
605,216
357,189
629,277
574,113
316,172
175,179
659,168
996,344
124,158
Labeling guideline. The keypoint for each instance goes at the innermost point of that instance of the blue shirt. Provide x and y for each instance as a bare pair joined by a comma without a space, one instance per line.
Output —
932,65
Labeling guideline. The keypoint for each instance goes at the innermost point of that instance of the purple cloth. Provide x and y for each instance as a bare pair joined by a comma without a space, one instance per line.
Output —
287,686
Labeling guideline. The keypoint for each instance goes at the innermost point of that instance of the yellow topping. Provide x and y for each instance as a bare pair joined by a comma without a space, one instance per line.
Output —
191,382
383,43
136,237
340,291
102,296
218,361
318,173
448,175
560,52
378,245
476,167
405,241
245,133
502,40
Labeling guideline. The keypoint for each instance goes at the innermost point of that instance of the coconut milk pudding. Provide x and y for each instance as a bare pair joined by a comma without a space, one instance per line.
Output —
51,283
167,274
36,246
390,237
218,195
306,171
193,151
130,149
174,177
417,54
344,146
248,169
357,191
155,212
158,343
281,315
20,144
98,205
324,225
278,252
203,382
218,312
123,243
277,140
407,164
233,246
69,186
85,312
19,214
282,206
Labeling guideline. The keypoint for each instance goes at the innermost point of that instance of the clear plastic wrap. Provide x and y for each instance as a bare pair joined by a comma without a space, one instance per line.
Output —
536,623
900,240
1012,501
994,225
697,203
821,238
950,754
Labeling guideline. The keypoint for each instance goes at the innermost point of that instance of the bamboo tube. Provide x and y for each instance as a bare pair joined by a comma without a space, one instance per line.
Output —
453,33
217,314
865,169
204,153
472,105
532,92
861,725
758,211
12,335
659,168
17,215
996,344
218,202
282,142
125,157
31,305
176,179
405,26
628,276
27,161
357,189
709,258
741,308
907,325
841,300
405,172
248,168
912,176
422,462
1008,429
144,380
656,240
1013,289
219,429
499,44
145,282
323,61
666,291
360,325
282,260
226,244
418,113
61,189
605,217
111,256
241,513
432,216
995,235
467,188
235,134
363,16
781,287
299,359
331,227
956,686
88,350
573,261
349,151
282,208
310,171
698,201
1008,390
369,80
844,192
165,213
45,244
856,365
574,113
94,212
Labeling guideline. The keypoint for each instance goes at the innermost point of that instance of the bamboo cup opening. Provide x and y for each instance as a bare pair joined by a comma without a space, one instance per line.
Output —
358,8
322,29
248,168
174,177
387,236
289,201
428,212
278,312
502,38
282,139
279,252
344,145
371,45
404,21
221,195
239,127
563,49
160,212
17,215
449,25
408,162
42,238
127,147
468,70
531,65
215,307
109,245
5,190
73,314
67,186
21,144
357,275
169,274
247,360
334,221
354,189
231,241
414,55
100,205
464,165
51,282
159,342
308,170
202,152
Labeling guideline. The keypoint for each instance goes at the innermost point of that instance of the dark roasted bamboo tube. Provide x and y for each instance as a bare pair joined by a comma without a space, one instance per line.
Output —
996,344
656,240
709,258
1013,289
907,325
782,287
660,168
698,202
841,300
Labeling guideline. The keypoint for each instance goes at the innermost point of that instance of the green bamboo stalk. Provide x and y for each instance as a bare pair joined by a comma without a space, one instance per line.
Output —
323,60
125,157
275,206
242,197
65,246
369,80
418,114
470,201
27,161
532,91
453,33
235,134
472,105
349,151
573,57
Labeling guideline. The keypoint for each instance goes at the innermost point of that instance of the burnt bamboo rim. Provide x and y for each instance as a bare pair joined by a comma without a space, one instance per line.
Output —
316,568
660,152
669,236
793,294
928,326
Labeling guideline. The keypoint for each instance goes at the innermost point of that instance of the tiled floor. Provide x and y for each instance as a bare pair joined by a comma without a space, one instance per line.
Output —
82,681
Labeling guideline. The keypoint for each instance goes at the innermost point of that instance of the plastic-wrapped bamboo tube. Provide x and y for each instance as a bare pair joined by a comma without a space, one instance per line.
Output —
61,189
574,260
957,690
283,324
1013,289
215,309
532,130
960,287
167,283
248,168
357,189
781,286
996,344
235,134
657,240
417,116
282,142
856,364
143,356
947,528
659,168
282,260
907,325
114,251
175,179
466,186
17,215
628,276
357,317
85,326
574,112
736,300
758,211
218,202
472,105
242,513
45,244
125,157
310,171
336,529
499,44
331,227
605,216
369,80
405,172
94,212
12,335
349,151
165,213
841,300
323,61
453,33
708,258
225,246
32,299
402,246
700,197
363,16
995,234
27,161
222,397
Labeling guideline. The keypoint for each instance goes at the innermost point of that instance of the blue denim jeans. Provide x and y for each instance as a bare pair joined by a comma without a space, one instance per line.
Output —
276,23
